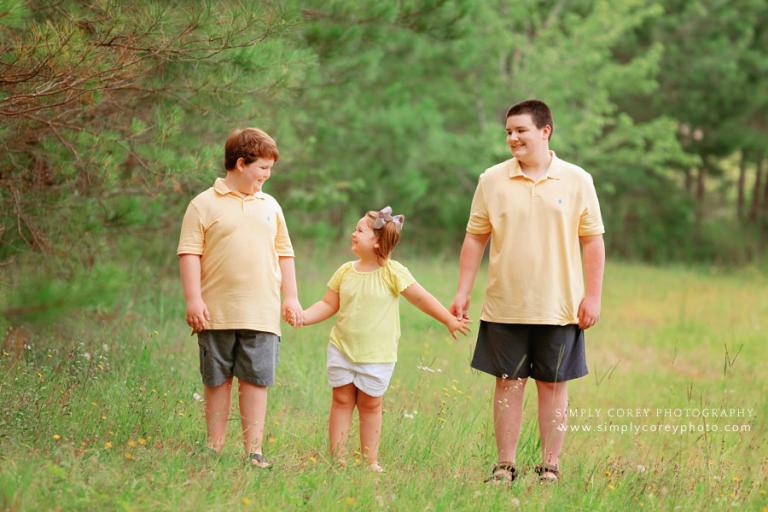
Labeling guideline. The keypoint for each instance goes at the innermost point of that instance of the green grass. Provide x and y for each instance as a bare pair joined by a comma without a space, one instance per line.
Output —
99,413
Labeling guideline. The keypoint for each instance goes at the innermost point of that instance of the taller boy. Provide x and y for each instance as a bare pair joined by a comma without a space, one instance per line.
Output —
236,257
536,209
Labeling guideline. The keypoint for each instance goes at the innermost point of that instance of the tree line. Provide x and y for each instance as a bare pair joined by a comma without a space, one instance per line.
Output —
114,115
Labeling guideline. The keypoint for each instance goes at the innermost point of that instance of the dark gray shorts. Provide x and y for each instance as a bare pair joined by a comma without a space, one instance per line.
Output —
248,355
549,353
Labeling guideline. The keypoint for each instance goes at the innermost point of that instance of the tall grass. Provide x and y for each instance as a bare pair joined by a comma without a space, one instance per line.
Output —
102,413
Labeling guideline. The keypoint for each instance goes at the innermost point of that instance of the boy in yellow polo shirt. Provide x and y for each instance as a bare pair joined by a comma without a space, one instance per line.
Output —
236,258
542,217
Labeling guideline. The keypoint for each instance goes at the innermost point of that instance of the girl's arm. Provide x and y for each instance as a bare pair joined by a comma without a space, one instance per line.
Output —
422,299
323,309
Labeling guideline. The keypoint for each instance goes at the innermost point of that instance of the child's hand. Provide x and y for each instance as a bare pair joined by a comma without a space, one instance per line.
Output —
461,326
197,314
294,319
293,312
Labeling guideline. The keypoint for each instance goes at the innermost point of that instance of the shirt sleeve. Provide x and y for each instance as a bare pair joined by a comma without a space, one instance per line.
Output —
335,282
401,275
283,245
192,238
590,220
479,221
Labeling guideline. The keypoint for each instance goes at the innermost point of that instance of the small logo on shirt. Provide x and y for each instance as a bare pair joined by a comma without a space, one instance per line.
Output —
560,201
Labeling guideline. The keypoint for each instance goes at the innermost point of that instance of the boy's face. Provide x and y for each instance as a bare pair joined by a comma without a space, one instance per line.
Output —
257,172
363,238
523,138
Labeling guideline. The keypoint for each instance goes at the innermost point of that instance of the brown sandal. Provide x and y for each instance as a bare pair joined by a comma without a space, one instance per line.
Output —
547,469
503,472
259,461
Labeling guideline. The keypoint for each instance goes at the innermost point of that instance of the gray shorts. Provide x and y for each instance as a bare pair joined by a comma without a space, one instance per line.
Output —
248,355
549,353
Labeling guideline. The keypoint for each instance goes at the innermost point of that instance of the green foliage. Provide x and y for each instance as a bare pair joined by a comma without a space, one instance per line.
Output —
114,115
13,13
40,298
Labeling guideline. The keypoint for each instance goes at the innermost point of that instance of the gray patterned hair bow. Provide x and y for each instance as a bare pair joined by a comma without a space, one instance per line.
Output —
385,215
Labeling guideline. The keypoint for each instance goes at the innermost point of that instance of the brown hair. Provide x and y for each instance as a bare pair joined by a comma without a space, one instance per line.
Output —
387,236
249,144
539,112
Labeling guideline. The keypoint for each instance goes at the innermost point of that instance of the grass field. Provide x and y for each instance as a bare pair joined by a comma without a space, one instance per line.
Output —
102,413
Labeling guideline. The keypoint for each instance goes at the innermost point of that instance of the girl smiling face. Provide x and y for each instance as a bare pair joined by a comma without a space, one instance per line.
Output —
364,239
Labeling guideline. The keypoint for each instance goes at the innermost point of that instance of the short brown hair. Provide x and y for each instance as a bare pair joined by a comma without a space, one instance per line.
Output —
539,112
249,144
387,236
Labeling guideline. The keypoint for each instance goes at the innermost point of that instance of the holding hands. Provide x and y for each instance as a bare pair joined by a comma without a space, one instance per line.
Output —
293,312
460,325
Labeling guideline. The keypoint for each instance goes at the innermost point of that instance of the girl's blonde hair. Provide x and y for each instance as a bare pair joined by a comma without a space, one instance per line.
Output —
387,236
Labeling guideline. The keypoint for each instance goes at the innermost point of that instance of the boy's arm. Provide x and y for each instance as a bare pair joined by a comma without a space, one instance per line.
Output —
469,261
197,312
323,309
422,299
290,292
593,254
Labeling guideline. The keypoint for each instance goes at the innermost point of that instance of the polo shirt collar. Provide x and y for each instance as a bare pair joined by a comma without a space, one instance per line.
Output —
553,172
221,188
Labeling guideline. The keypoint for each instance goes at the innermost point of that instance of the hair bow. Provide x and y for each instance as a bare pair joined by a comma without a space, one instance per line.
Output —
385,215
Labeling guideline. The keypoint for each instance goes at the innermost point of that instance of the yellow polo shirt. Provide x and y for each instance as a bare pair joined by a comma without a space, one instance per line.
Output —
240,240
367,328
534,269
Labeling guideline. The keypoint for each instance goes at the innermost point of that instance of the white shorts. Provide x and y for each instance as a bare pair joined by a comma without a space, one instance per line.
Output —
371,378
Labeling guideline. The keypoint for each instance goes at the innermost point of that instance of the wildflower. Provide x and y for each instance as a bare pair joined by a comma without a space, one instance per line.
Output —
108,445
196,396
246,501
515,503
350,500
142,441
56,437
128,456
131,443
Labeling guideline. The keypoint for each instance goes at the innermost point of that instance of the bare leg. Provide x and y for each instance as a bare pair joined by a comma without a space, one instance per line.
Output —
217,402
253,411
553,401
340,419
508,416
370,408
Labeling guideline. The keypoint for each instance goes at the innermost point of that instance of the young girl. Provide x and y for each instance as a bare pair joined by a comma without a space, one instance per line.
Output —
363,345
